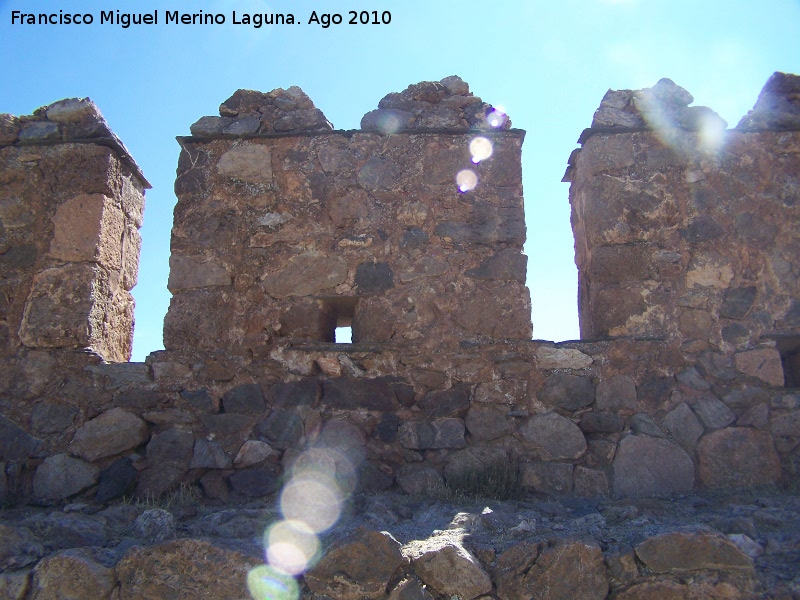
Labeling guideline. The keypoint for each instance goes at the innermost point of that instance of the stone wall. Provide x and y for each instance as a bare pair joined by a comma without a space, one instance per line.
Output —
410,231
71,204
285,236
683,229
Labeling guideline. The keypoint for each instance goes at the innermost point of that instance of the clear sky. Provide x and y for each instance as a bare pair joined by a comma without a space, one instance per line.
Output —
548,63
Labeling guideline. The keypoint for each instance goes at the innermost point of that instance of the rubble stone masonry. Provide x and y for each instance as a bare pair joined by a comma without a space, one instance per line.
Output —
410,230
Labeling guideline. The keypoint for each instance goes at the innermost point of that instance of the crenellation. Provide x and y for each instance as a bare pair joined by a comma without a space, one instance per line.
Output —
72,202
410,231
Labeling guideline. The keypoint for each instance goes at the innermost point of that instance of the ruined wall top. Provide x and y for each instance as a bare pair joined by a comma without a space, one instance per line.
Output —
68,120
291,230
684,229
445,105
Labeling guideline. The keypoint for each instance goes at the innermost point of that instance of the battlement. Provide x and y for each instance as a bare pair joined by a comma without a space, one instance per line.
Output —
409,230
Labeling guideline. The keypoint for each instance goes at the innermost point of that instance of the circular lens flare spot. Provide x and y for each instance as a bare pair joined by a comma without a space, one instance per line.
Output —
314,499
466,180
291,547
497,117
481,149
267,583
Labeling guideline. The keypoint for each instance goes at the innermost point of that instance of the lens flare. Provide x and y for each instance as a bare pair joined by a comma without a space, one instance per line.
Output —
467,180
712,133
481,149
313,498
497,117
291,547
267,583
389,123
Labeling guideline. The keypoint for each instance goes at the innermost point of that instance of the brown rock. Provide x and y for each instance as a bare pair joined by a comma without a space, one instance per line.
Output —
689,550
88,227
184,569
617,393
186,272
14,585
72,573
762,363
448,568
561,358
248,162
437,434
419,479
648,466
683,425
567,391
61,476
555,479
18,548
486,422
568,569
111,433
360,565
665,589
738,457
555,436
306,274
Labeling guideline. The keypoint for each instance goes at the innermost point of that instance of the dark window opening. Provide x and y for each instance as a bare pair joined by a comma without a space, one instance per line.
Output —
341,311
789,347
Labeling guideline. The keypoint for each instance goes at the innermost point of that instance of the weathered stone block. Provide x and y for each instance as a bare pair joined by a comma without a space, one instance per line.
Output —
374,278
418,479
173,446
15,442
548,477
111,433
306,274
61,476
595,422
247,162
72,573
787,425
567,391
449,568
68,307
360,565
52,418
433,435
561,358
738,457
556,437
446,403
762,363
256,481
683,425
647,466
617,393
692,550
208,454
116,480
244,399
172,569
380,393
486,422
88,227
713,413
187,272
568,569
282,429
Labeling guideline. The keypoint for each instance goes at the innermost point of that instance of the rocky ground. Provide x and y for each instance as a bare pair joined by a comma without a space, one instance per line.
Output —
733,545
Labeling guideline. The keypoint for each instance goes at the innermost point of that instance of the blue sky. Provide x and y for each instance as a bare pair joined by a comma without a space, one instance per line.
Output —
547,63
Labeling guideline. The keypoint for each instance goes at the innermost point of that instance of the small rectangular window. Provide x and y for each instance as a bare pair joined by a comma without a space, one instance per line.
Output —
341,310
